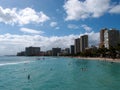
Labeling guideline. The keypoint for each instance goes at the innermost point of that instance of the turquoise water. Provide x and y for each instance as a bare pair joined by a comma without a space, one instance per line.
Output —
58,73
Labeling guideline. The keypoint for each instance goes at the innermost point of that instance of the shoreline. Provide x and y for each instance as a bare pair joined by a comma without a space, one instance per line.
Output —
100,59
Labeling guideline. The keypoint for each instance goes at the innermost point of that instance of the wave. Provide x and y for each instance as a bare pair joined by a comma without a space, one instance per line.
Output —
25,62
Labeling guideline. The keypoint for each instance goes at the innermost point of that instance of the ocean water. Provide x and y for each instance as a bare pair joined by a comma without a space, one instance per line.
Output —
58,73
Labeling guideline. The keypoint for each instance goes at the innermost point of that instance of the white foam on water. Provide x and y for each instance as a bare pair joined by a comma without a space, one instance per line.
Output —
13,63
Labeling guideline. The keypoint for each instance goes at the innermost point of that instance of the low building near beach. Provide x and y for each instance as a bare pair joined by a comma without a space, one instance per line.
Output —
56,51
32,51
21,53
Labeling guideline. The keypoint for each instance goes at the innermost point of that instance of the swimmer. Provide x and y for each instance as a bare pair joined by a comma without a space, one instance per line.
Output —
84,69
51,69
112,62
43,58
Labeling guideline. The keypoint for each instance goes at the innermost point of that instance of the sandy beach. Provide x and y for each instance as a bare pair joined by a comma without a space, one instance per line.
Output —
101,59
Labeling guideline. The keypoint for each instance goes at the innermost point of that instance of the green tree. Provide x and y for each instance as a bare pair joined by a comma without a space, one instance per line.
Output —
112,52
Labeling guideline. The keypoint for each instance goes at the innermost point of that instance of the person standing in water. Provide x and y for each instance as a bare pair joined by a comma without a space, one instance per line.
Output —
28,76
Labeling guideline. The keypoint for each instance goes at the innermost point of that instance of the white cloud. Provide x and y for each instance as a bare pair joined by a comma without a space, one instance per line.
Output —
94,38
8,16
73,26
86,28
97,7
22,16
82,9
31,31
53,24
115,9
11,44
57,28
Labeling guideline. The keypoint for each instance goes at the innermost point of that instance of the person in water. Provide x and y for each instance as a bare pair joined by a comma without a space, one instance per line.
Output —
28,76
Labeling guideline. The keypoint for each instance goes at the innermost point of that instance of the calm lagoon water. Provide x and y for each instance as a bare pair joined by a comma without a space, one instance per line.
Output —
58,73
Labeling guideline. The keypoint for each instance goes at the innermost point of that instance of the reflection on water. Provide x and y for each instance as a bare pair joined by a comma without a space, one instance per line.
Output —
52,73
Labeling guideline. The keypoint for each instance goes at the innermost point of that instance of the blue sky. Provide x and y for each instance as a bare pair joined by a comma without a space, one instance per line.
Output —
53,23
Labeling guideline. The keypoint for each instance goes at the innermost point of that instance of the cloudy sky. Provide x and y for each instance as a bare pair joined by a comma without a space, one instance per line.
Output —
53,23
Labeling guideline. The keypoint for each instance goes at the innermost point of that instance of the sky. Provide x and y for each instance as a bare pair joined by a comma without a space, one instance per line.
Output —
53,23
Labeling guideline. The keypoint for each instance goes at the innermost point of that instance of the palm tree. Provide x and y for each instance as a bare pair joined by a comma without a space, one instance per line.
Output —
102,51
112,52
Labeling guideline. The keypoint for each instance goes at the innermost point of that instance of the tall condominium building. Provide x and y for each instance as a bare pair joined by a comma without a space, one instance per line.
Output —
32,51
56,51
77,45
102,31
83,43
111,38
72,49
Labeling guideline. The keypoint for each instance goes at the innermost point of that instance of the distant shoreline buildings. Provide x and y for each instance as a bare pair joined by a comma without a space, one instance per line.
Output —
108,38
30,51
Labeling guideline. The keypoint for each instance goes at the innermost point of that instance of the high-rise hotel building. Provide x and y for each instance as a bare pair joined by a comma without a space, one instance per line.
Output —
72,49
77,45
81,43
102,31
110,38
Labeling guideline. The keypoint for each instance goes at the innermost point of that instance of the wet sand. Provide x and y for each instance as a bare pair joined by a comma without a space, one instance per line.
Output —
101,59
